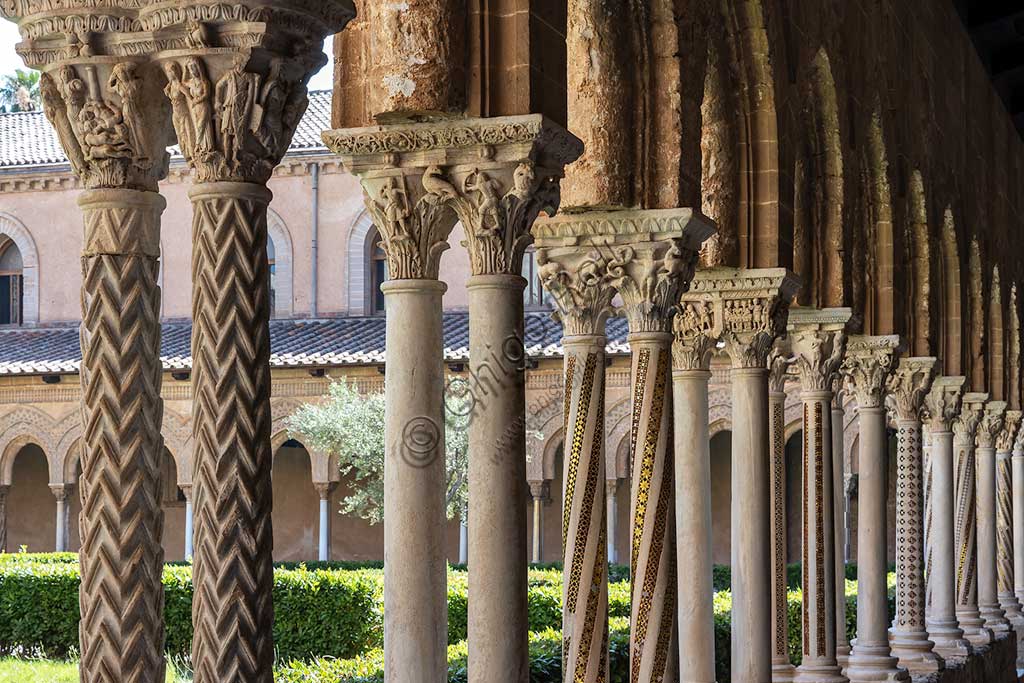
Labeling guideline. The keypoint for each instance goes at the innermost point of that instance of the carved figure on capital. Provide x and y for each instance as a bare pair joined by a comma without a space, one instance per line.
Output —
1011,425
942,404
581,283
991,424
780,360
696,336
907,387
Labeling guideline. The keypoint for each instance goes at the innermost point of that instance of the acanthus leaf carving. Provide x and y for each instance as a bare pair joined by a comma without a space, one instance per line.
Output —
991,424
868,362
650,281
1011,425
779,362
908,385
819,354
580,282
942,404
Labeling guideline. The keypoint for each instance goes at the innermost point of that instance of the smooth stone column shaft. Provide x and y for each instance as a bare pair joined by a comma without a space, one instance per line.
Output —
585,584
818,609
323,550
1004,539
693,526
3,518
840,524
988,583
751,565
943,627
415,580
1017,466
498,624
538,529
871,658
965,510
782,668
653,648
612,503
909,637
189,524
62,521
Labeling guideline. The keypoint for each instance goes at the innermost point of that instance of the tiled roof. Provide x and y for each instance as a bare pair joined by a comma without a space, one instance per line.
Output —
293,343
28,139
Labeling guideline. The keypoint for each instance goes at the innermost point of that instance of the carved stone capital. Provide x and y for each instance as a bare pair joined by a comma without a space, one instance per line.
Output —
965,427
942,404
908,385
324,488
652,255
580,280
991,424
1011,425
818,341
60,491
186,490
541,490
779,361
869,360
748,309
1018,443
4,490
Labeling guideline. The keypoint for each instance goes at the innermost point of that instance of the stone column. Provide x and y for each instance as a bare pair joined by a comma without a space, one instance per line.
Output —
651,256
323,490
942,405
612,513
778,364
102,97
497,196
540,492
907,387
1004,520
186,489
750,307
237,91
869,360
4,490
818,340
695,340
578,276
840,522
988,591
965,506
1018,515
60,492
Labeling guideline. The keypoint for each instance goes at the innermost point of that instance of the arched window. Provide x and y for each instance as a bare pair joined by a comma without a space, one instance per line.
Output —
535,296
272,266
378,273
11,283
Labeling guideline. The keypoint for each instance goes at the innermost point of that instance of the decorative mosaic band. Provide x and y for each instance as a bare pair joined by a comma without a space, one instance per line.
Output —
777,473
818,574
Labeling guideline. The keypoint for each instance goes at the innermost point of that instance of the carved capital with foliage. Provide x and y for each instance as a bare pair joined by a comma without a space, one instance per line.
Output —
748,309
908,385
580,280
942,404
817,339
991,425
779,361
1011,426
965,427
695,336
868,363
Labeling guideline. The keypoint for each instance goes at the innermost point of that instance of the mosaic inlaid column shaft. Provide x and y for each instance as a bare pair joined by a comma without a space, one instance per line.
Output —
778,362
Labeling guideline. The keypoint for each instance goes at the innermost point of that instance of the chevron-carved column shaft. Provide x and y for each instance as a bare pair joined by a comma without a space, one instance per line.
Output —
121,523
653,648
232,611
778,362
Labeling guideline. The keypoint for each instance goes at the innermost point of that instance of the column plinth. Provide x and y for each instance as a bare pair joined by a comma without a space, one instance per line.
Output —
992,422
965,508
869,361
778,364
942,405
907,388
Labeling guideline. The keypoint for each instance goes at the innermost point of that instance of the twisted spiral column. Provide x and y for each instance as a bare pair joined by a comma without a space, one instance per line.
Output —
1017,460
1008,600
121,523
965,528
232,607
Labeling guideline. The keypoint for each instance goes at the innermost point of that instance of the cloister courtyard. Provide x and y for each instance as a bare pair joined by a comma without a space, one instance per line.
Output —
576,340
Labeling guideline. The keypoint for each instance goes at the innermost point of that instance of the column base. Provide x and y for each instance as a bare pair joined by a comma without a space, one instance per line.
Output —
1011,607
949,639
914,651
819,673
980,637
783,672
843,655
995,619
870,664
973,626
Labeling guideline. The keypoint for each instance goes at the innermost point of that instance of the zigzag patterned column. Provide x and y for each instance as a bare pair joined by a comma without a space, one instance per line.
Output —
1004,520
122,626
965,505
907,387
778,364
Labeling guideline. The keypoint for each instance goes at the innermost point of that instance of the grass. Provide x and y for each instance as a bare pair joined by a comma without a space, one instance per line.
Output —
14,670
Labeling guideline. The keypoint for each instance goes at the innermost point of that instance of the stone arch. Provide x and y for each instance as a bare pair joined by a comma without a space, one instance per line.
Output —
1013,349
976,331
550,454
951,329
70,463
818,226
918,314
359,276
996,341
879,243
719,176
22,238
10,454
277,231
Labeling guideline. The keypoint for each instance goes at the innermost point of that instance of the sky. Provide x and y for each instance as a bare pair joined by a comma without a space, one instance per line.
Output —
9,60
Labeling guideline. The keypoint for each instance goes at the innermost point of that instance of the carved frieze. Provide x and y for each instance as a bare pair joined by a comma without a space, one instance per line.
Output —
991,424
942,404
908,385
868,363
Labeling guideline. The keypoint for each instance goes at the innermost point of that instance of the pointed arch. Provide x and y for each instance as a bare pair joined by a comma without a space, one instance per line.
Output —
951,330
1013,349
918,314
996,340
818,226
719,179
978,334
22,238
879,241
359,276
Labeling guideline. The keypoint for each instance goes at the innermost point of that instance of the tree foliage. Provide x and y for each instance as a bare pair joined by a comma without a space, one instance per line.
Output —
350,425
20,91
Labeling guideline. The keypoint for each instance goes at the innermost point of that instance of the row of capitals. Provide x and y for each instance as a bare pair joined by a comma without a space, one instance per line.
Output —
124,80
